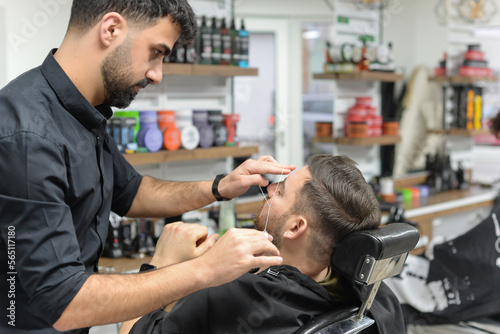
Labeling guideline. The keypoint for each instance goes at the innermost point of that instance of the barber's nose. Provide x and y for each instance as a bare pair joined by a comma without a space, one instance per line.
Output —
155,74
271,189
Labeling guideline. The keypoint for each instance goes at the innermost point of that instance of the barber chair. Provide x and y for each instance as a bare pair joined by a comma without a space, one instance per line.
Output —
365,257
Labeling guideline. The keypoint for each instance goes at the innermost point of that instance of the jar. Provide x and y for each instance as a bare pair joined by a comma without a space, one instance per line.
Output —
352,119
200,121
390,128
215,120
171,134
324,129
364,101
358,130
149,136
190,136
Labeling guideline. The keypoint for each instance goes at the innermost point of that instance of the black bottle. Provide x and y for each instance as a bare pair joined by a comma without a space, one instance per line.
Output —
235,44
216,43
205,47
226,43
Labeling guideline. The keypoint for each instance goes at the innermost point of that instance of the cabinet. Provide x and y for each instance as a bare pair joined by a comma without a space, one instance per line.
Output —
365,151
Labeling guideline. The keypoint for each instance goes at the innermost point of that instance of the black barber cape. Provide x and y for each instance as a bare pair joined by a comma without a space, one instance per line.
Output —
60,175
278,300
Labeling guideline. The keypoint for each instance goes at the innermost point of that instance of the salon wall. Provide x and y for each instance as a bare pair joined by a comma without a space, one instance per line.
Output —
31,29
416,36
284,8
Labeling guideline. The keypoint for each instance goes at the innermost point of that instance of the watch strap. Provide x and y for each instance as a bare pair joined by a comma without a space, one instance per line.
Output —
215,188
146,267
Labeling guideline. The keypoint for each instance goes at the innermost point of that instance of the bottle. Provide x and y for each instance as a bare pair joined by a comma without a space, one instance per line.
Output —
235,44
364,64
216,43
226,43
206,42
180,52
227,217
190,53
244,45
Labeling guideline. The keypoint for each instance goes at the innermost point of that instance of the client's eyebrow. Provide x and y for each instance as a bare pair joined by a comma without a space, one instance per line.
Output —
283,183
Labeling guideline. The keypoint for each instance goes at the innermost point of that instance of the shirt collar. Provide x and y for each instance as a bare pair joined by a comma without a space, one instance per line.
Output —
73,101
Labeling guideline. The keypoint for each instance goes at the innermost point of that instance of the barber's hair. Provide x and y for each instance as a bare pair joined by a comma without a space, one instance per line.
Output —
336,201
86,13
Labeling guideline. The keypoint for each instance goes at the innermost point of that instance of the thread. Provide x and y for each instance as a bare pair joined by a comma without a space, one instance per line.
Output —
272,200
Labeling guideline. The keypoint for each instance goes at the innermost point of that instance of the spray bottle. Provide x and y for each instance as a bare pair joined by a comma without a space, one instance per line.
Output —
244,46
226,43
216,43
205,48
235,44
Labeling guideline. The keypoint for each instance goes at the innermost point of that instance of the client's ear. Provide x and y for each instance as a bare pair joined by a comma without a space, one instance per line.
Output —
296,227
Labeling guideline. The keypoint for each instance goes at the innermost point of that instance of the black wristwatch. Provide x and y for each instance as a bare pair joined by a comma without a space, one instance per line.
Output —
215,188
147,267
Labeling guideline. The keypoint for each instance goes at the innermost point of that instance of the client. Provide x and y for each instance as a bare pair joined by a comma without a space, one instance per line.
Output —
310,212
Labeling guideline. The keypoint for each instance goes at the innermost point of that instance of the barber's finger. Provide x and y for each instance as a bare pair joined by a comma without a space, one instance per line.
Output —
267,158
274,168
198,232
257,180
266,261
263,246
203,247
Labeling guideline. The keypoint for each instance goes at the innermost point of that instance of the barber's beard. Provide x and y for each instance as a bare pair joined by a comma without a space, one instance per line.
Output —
116,72
274,225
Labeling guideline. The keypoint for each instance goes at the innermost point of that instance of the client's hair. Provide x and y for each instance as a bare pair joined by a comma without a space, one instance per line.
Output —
145,13
336,201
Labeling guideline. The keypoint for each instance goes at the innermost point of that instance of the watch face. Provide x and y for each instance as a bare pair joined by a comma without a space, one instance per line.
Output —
383,54
347,52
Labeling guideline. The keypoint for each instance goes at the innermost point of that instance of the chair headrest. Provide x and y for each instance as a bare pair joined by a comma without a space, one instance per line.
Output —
382,243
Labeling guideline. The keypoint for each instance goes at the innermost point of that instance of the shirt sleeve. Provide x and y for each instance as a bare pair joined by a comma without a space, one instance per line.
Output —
32,189
126,180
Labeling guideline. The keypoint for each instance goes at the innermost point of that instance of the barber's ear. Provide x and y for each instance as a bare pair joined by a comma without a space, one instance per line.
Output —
112,27
296,228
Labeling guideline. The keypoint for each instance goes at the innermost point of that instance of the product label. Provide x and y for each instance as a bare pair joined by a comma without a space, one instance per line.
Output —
206,41
244,41
216,47
226,47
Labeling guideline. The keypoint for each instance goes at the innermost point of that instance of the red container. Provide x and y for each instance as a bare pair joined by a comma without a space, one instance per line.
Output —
390,128
171,134
352,119
364,100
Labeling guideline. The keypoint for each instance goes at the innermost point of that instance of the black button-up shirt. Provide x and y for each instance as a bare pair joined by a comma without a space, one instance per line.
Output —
60,175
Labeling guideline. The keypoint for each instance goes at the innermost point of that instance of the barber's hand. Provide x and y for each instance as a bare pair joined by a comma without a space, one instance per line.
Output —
181,242
250,173
236,252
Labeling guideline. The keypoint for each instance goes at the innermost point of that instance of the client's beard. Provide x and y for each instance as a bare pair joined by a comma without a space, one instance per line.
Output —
274,224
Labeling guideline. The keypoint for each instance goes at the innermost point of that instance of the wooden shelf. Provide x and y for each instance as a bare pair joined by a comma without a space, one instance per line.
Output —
207,70
460,132
368,141
185,155
458,79
364,75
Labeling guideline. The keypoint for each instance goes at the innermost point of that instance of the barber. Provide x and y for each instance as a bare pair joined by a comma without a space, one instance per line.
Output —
61,175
